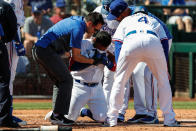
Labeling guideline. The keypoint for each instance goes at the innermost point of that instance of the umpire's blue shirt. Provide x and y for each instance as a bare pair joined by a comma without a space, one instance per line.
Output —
70,30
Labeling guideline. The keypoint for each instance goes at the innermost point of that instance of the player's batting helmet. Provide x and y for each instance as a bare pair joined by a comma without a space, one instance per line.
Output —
138,9
105,6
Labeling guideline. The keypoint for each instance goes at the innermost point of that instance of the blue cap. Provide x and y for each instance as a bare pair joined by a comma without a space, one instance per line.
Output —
60,3
116,8
105,6
36,9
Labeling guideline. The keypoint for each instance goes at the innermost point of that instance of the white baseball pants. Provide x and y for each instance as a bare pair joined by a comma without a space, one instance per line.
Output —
135,50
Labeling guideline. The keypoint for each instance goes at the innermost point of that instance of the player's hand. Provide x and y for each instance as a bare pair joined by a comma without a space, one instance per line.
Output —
35,39
110,64
111,56
20,49
97,57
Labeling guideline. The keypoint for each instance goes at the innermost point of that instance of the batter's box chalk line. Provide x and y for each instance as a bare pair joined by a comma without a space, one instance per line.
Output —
55,128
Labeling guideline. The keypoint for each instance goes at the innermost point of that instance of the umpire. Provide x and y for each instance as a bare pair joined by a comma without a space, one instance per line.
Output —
60,38
8,31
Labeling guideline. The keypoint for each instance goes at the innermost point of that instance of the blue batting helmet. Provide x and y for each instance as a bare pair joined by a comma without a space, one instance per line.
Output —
139,9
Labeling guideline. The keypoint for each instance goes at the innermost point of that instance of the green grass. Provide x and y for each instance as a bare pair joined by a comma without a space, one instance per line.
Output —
32,105
48,105
176,105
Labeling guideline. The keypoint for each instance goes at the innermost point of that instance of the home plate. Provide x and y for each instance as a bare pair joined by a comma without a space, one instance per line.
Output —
186,120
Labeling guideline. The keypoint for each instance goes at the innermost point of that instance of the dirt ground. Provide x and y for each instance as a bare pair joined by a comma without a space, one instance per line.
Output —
35,119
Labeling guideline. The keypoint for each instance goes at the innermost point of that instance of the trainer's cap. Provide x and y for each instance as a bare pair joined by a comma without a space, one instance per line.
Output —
60,3
105,6
36,9
138,9
116,8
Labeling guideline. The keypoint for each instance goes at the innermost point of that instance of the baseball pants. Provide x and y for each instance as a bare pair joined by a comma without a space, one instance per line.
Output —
135,50
5,98
92,96
107,87
145,89
13,60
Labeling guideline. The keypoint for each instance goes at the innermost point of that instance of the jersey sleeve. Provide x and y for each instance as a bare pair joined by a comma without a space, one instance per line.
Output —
168,34
118,39
161,32
120,33
76,38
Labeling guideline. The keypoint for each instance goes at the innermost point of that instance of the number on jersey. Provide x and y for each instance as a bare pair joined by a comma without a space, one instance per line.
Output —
143,19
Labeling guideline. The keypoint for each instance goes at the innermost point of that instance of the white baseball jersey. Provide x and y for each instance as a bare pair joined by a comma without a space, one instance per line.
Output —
83,94
140,23
140,35
88,74
17,6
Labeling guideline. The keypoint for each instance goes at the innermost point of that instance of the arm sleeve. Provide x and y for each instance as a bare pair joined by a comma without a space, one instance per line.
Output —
118,39
118,45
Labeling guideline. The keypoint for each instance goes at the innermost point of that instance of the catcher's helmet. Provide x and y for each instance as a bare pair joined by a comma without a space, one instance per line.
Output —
138,9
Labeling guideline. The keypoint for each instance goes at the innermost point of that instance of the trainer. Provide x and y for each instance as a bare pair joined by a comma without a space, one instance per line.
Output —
60,38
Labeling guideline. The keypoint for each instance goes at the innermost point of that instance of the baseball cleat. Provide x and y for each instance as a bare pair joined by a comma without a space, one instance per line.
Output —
121,118
83,112
175,124
60,120
149,120
136,118
107,123
86,112
19,121
48,115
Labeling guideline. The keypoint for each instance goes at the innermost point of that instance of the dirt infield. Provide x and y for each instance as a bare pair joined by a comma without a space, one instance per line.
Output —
35,119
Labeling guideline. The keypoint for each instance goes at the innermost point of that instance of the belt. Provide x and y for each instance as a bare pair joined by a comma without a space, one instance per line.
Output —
141,31
87,84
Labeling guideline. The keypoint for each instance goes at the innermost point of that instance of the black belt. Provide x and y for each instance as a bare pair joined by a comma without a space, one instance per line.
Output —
87,84
142,31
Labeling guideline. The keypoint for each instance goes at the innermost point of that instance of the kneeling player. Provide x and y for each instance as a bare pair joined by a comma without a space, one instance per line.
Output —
87,87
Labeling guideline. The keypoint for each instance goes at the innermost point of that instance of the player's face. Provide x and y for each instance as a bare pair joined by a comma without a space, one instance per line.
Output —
91,29
96,28
100,47
125,13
